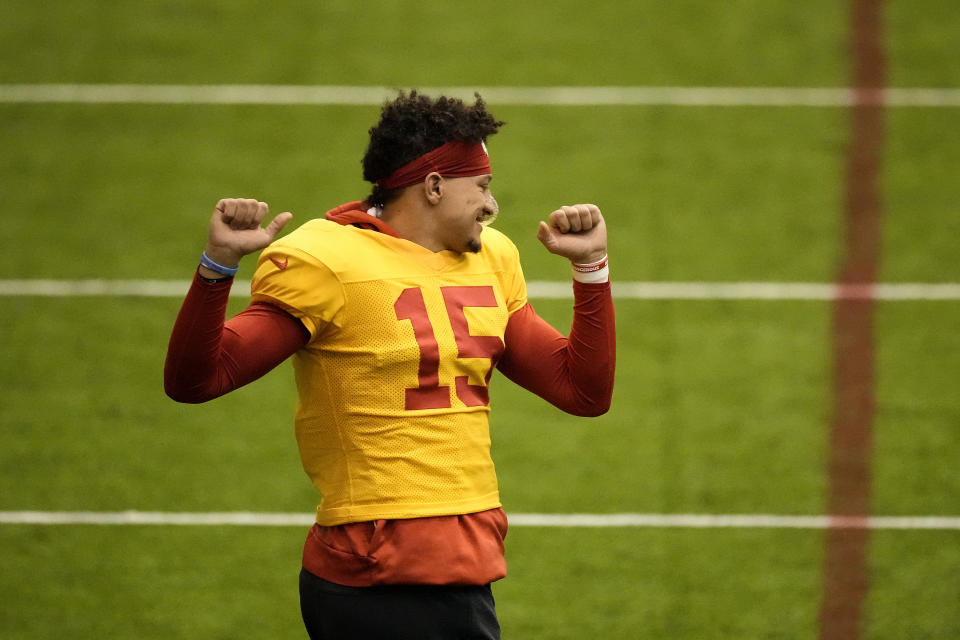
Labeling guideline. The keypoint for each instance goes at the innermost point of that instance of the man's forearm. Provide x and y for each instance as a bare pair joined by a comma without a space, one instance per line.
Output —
573,373
193,355
208,357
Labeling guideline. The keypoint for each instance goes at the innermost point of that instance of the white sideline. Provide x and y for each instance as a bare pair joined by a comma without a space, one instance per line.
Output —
594,520
539,290
560,96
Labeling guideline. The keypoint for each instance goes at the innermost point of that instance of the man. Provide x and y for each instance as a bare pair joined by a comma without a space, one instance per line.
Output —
395,311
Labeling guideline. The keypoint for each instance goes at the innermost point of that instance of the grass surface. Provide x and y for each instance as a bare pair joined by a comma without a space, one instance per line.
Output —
149,582
748,584
920,188
403,43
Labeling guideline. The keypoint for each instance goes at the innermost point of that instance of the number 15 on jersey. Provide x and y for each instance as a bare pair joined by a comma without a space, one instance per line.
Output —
429,393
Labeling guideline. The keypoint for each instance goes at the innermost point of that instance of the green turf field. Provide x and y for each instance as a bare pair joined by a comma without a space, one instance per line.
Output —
721,406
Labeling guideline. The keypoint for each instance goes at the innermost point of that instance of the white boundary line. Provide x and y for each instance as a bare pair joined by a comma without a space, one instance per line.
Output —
592,520
538,290
563,95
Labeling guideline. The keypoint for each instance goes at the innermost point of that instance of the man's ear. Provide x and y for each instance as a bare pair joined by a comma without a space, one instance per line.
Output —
433,187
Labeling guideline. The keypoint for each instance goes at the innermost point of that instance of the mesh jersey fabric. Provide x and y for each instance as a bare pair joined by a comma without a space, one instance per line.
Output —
392,420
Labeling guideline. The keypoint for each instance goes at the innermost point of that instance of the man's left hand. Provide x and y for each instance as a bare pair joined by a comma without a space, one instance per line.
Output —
576,232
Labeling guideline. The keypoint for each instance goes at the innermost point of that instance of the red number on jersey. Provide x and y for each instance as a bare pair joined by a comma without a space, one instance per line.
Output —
429,393
470,346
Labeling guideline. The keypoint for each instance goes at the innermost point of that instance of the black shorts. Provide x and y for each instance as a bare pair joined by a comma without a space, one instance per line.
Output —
425,612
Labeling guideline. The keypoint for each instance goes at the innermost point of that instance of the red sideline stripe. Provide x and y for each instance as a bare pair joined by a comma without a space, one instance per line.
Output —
846,576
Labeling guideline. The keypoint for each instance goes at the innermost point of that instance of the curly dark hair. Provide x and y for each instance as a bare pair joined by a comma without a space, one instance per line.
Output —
413,124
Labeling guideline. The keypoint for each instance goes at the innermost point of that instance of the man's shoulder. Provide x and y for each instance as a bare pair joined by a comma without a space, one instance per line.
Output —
322,239
317,230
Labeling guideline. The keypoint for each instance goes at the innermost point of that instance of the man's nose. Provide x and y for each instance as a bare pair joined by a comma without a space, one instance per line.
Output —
492,205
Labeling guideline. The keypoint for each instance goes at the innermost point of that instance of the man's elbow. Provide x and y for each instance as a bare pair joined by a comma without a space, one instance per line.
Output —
590,406
184,395
179,396
594,410
594,398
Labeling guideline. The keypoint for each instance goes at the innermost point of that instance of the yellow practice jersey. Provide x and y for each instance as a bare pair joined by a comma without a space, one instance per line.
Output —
392,420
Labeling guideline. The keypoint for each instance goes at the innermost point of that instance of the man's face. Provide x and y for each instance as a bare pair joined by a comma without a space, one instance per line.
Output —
467,205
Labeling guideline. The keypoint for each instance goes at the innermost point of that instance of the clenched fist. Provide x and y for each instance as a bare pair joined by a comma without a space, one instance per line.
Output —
235,229
576,232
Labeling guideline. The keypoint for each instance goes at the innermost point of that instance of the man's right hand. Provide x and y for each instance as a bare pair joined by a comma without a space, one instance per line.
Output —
235,231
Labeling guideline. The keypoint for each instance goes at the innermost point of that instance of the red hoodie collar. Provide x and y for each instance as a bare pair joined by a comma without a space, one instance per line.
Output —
355,214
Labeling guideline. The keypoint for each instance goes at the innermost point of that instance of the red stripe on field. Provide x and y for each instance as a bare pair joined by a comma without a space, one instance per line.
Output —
846,578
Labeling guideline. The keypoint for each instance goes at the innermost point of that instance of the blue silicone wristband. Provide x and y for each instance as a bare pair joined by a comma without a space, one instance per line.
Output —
205,261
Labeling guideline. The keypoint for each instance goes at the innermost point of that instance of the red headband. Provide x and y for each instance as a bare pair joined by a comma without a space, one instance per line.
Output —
454,159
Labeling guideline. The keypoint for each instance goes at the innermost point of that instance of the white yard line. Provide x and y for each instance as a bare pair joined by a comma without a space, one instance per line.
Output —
538,290
569,96
595,520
